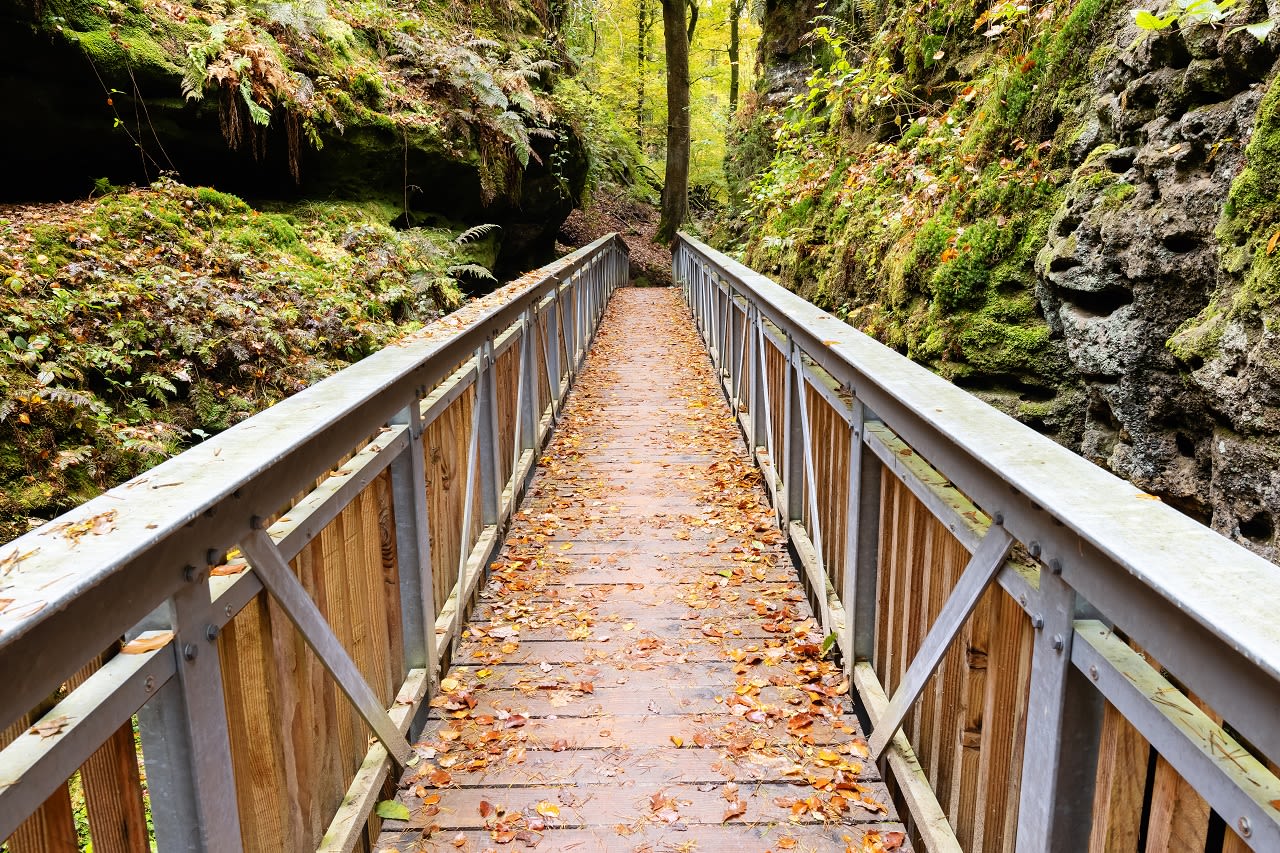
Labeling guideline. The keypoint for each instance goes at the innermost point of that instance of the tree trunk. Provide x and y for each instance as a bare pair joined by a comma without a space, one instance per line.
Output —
675,186
642,39
735,13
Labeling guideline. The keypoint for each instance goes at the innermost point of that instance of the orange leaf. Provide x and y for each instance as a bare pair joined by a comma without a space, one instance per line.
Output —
1273,242
147,641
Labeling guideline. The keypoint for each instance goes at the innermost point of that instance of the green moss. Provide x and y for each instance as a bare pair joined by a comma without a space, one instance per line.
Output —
1199,339
1252,213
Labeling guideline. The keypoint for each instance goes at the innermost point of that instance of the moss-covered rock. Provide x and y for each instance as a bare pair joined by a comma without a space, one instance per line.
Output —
144,320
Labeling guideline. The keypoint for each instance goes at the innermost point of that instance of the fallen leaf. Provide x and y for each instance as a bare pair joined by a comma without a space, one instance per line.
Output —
49,728
547,809
147,641
391,810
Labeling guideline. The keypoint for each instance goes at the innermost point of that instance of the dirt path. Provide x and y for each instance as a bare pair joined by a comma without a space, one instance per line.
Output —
642,671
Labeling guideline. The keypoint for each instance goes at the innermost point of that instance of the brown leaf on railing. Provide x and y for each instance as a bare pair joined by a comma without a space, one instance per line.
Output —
147,641
49,728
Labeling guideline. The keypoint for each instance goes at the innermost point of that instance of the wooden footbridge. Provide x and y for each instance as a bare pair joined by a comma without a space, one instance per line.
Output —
519,582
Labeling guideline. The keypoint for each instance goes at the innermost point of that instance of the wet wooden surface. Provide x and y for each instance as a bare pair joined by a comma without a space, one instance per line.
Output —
642,671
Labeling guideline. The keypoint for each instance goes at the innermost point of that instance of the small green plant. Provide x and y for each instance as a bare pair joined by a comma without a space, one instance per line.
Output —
1191,13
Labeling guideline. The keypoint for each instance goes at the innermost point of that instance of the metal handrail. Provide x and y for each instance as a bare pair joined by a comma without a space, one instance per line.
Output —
1201,604
138,555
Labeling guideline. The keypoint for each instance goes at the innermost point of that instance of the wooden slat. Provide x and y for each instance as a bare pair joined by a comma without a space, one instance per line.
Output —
51,828
112,787
445,442
1119,786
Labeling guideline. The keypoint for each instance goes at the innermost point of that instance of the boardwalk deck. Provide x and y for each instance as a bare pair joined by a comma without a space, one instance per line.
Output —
643,672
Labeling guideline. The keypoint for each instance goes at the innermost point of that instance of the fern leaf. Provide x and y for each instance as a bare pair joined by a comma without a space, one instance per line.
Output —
472,270
476,233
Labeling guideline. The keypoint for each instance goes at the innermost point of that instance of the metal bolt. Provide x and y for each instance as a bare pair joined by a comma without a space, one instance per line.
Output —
214,557
1055,566
1037,621
227,610
1034,549
211,632
150,683
256,523
189,651
998,519
1059,643
1245,828
1093,672
189,574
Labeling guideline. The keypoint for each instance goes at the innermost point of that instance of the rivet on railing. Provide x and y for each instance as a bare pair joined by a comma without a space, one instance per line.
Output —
1245,828
190,574
190,651
149,684
211,633
1059,643
1033,548
998,519
1037,621
214,557
256,523
1055,566
1093,672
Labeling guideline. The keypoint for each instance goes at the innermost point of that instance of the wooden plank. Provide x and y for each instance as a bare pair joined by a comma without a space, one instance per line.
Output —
1119,786
112,786
51,828
1004,720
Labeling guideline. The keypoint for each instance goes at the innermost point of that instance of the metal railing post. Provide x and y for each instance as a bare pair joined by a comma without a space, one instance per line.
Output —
755,390
792,440
413,555
862,543
528,437
1064,722
489,453
553,347
185,741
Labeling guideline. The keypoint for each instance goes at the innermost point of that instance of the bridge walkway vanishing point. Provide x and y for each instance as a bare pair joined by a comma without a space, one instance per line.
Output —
643,671
1045,658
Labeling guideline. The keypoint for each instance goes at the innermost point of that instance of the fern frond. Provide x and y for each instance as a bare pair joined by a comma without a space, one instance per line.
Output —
473,270
476,233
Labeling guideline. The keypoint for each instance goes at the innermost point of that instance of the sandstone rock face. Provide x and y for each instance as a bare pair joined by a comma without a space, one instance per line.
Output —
1134,315
1132,257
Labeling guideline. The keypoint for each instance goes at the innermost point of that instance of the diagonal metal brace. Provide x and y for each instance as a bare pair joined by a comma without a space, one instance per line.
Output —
274,572
978,574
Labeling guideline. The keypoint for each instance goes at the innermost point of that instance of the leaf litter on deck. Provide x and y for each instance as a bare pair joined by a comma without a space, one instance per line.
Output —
642,671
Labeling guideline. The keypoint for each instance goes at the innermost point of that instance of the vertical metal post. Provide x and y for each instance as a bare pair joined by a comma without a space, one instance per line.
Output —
185,742
1064,722
528,434
552,341
755,388
735,360
487,421
792,440
413,554
862,543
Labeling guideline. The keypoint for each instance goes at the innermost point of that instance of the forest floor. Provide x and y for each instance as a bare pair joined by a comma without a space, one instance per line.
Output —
643,671
637,221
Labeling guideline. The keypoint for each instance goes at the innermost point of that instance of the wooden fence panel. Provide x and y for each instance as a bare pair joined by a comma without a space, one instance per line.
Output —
507,377
445,443
296,742
112,785
967,727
